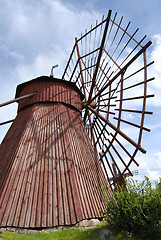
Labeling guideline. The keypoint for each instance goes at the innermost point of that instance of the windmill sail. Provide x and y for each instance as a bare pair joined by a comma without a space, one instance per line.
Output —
109,65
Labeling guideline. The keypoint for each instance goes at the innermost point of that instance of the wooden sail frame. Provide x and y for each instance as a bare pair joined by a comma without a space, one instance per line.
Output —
109,64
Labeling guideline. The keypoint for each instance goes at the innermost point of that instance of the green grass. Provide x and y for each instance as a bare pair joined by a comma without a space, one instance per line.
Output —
75,234
63,234
60,234
67,234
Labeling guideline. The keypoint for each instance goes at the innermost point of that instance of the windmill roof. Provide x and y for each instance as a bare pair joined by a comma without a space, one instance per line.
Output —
47,78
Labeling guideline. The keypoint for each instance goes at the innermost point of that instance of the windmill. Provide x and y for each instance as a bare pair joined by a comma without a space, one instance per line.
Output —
73,134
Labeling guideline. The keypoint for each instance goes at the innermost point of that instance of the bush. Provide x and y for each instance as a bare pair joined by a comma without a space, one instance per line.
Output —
137,210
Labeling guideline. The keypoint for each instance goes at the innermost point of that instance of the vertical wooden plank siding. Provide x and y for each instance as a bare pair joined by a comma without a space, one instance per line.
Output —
49,172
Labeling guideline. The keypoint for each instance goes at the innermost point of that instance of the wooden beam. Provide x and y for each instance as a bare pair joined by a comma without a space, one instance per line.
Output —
17,99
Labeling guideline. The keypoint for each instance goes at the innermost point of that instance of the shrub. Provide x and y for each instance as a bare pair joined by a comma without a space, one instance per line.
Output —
137,210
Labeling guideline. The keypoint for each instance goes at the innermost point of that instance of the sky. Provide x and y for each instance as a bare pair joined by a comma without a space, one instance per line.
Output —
36,34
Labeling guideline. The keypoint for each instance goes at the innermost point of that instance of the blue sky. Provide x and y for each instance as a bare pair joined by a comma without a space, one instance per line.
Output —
36,34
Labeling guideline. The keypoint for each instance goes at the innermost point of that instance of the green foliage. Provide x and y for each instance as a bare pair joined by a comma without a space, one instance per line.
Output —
137,210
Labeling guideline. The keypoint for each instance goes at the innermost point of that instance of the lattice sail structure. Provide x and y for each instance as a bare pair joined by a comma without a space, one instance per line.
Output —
110,66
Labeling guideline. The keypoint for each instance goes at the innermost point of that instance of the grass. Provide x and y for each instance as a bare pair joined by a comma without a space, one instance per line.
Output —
65,233
75,234
60,234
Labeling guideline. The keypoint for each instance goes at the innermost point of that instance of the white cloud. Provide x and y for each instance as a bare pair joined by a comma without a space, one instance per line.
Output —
40,31
41,65
155,71
156,56
158,154
150,166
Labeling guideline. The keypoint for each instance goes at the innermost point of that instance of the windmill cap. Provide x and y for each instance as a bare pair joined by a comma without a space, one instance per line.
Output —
47,78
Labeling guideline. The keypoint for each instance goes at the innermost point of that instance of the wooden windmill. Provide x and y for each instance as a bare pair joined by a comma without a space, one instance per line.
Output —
70,131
